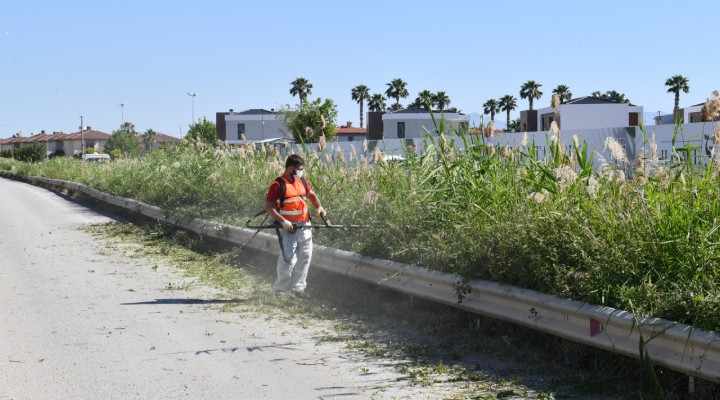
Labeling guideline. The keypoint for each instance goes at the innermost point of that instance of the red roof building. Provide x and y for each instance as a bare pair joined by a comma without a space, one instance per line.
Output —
348,133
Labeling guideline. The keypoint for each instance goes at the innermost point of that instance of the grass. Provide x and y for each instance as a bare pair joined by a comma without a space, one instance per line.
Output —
555,224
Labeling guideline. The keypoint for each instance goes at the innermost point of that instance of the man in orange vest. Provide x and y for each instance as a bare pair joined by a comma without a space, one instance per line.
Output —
286,202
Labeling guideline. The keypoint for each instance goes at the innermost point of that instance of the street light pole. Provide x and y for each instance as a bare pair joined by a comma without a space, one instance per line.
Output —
193,105
122,114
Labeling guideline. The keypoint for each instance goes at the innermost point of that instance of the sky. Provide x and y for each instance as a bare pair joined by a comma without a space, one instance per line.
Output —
63,60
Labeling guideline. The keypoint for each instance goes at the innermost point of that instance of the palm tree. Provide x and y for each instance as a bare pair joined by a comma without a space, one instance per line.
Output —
397,89
675,84
563,93
491,107
616,96
149,139
441,100
530,90
377,102
425,100
611,95
128,127
360,93
395,107
515,125
508,103
301,88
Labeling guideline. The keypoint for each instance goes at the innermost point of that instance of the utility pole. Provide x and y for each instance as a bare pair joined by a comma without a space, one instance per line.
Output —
82,139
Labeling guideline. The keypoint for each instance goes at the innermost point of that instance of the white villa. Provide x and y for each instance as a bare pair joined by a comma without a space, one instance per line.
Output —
257,125
417,122
583,113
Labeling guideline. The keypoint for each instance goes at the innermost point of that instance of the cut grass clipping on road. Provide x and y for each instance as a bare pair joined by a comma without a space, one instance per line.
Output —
432,345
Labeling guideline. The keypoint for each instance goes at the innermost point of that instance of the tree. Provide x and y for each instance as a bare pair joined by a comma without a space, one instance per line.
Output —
515,125
149,139
301,88
127,126
563,93
675,84
312,121
203,130
508,103
441,100
491,107
424,99
360,93
416,104
395,107
377,102
397,89
33,152
122,143
530,90
611,95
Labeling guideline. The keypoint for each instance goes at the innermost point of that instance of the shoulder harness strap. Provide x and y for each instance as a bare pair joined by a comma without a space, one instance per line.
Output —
283,189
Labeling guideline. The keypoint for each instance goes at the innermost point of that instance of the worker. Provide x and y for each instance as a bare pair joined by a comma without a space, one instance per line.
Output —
286,202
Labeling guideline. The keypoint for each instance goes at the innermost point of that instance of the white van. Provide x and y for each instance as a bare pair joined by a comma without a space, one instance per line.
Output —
96,157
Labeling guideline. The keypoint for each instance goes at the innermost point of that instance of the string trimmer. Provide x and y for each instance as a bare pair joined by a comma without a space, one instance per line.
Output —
326,224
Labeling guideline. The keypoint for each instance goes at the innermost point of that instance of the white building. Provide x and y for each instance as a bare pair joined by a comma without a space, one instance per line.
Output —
257,125
417,122
585,113
691,114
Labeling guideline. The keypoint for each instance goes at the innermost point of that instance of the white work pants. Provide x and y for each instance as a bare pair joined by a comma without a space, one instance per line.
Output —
294,262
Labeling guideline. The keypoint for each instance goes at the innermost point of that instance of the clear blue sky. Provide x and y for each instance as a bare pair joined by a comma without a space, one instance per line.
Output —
60,60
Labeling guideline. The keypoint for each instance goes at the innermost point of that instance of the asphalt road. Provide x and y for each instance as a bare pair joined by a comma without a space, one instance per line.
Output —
79,321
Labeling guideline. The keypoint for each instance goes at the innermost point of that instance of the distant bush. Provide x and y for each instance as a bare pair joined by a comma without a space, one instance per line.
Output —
31,153
6,154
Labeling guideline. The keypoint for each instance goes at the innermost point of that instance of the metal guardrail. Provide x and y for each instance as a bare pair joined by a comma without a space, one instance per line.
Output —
677,346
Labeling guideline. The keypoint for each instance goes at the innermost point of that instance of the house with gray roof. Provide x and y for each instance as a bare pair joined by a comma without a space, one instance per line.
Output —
255,125
413,123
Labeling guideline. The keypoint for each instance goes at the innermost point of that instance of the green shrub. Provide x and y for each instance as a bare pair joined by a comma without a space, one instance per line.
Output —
33,152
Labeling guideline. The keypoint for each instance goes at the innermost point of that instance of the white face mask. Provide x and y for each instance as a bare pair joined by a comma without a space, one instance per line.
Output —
299,173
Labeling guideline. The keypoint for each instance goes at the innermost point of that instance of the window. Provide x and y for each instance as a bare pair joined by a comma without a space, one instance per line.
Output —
634,119
350,138
401,130
241,130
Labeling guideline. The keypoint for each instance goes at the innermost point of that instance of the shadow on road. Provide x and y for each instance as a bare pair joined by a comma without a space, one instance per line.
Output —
184,301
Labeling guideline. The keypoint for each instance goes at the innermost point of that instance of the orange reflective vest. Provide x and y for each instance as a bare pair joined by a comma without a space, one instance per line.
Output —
294,207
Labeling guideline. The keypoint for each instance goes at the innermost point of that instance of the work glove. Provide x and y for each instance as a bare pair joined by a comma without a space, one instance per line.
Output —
287,226
321,212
